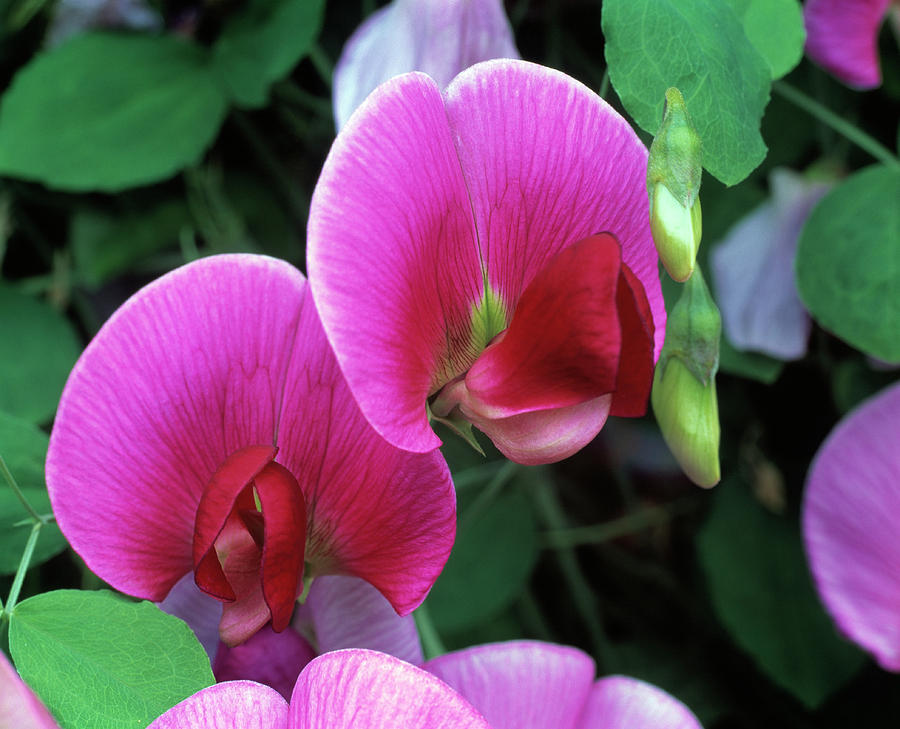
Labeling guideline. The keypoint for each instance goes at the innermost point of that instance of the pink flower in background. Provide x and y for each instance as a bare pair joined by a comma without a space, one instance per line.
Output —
207,429
439,37
349,689
842,37
851,524
546,686
19,707
484,256
753,270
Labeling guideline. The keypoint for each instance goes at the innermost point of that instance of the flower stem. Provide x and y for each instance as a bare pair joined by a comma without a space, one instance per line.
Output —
23,568
8,477
840,125
490,492
432,645
322,63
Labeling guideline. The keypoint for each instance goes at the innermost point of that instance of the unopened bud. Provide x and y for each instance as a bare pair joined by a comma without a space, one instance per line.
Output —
674,172
684,385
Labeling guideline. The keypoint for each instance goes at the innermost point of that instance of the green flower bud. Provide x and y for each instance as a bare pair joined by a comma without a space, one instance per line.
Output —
674,172
684,386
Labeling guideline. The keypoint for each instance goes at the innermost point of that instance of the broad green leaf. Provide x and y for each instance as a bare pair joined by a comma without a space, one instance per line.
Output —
39,348
853,381
700,47
24,449
107,112
262,43
495,551
848,262
105,246
752,365
762,592
775,28
99,661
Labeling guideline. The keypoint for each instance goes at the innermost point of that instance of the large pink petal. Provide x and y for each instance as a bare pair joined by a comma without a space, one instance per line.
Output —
346,612
393,259
188,370
19,707
851,523
359,689
439,37
374,511
842,37
548,163
231,705
619,702
521,683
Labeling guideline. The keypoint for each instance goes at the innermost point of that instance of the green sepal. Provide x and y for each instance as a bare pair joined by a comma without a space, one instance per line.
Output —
675,154
459,425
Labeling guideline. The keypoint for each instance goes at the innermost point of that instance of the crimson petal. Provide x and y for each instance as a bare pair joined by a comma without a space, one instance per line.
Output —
635,374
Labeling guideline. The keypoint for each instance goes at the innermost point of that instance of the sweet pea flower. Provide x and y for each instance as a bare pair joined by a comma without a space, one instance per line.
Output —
842,37
19,707
439,37
851,525
349,689
753,270
207,430
483,256
546,686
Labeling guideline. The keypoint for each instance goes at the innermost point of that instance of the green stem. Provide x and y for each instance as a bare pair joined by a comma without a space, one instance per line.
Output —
23,568
840,125
490,492
292,93
322,63
475,475
432,646
8,477
604,84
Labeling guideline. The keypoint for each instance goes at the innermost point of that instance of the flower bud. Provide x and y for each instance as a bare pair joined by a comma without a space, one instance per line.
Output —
684,387
673,184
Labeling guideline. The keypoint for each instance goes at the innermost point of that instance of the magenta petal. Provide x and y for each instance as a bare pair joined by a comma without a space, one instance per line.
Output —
232,705
359,689
274,659
346,612
619,702
374,511
551,169
842,37
393,260
19,707
520,683
188,370
201,612
851,523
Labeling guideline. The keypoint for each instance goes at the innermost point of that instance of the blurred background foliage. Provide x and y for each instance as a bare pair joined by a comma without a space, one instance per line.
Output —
125,155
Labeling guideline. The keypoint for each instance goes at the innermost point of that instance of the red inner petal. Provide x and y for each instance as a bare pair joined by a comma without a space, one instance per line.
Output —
635,373
563,344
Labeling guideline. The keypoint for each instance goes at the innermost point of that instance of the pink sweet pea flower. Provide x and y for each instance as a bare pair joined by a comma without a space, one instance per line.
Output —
350,689
207,429
753,270
19,707
438,37
546,686
484,256
842,37
851,524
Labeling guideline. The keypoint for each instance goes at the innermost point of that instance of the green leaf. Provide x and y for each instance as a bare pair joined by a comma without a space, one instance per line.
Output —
262,43
763,594
105,246
752,365
775,28
40,348
99,661
106,112
698,46
848,262
495,551
24,449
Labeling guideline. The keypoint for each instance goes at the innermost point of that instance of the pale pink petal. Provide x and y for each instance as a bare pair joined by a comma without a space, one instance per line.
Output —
753,271
842,37
346,612
851,523
19,707
201,612
359,689
439,37
520,683
274,659
619,702
231,705
374,511
548,163
188,370
393,259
